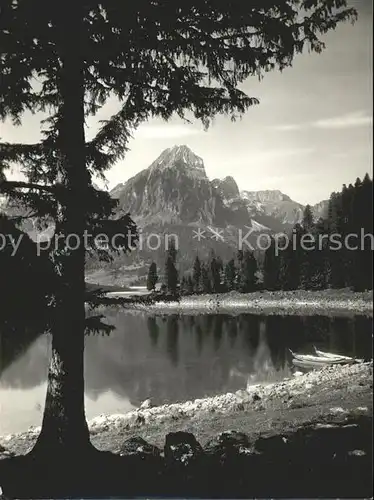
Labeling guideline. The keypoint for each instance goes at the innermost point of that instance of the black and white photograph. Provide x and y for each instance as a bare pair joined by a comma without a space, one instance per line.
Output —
186,249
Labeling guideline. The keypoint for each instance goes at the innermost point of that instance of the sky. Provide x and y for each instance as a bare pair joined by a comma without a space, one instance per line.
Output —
311,132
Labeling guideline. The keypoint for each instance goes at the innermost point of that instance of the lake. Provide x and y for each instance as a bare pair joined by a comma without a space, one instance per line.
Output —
171,358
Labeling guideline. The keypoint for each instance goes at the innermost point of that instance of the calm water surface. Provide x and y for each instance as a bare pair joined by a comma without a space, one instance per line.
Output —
171,358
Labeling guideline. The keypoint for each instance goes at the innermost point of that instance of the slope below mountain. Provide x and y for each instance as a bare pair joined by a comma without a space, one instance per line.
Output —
320,209
227,188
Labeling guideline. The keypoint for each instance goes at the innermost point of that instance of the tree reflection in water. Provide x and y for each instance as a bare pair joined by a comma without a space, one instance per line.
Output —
172,336
153,330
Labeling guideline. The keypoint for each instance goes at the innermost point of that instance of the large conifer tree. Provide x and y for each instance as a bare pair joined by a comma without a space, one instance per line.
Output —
196,274
152,277
230,275
308,219
272,268
171,272
248,270
215,268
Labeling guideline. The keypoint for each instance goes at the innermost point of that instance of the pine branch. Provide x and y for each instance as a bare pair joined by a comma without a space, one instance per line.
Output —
8,186
113,137
19,218
96,326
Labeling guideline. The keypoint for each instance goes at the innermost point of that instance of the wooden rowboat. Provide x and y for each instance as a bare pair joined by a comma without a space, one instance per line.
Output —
300,363
335,356
309,360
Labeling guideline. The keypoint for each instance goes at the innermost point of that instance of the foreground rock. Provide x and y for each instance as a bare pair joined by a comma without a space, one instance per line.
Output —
229,444
4,453
182,449
324,460
139,447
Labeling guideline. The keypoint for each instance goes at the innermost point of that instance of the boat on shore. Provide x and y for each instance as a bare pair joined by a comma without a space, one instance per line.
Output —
320,359
323,354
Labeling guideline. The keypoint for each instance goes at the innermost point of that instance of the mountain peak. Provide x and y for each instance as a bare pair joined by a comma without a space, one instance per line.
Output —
181,147
179,154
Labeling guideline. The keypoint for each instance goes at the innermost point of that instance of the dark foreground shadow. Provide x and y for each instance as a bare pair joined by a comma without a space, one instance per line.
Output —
329,461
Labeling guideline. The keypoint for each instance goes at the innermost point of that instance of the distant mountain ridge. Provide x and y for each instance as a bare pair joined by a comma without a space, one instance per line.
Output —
176,189
175,196
267,196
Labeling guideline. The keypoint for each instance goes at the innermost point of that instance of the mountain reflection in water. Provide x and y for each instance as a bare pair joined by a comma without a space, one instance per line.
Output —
171,358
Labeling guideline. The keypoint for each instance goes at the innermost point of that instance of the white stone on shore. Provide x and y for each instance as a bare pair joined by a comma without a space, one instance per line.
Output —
146,405
337,410
363,408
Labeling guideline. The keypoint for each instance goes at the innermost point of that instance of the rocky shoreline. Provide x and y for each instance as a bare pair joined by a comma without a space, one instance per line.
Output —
316,388
299,302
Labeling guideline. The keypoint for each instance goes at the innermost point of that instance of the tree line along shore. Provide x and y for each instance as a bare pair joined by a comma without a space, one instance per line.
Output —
340,258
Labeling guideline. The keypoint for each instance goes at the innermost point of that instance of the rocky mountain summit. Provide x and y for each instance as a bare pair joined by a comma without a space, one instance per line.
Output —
173,190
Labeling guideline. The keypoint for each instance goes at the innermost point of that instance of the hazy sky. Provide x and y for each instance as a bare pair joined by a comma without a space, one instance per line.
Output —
311,132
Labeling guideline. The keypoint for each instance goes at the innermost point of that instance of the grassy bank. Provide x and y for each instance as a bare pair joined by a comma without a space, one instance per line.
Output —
326,302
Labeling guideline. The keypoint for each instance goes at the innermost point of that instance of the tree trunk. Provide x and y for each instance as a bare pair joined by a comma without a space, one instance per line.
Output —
64,427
